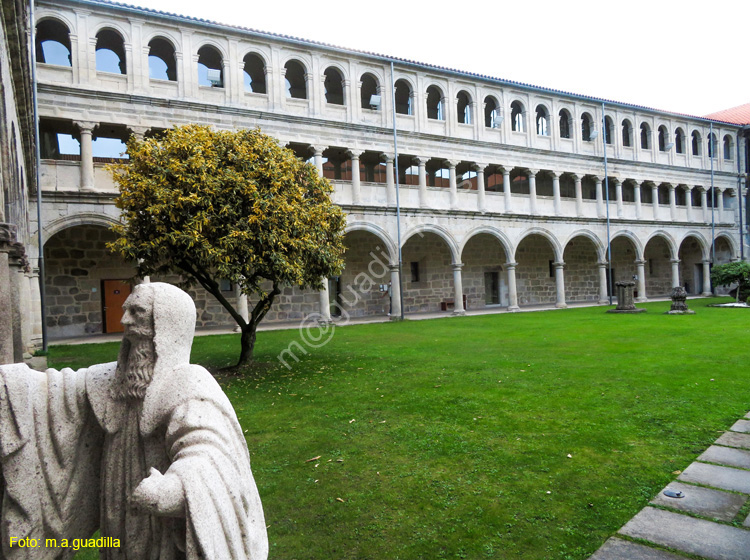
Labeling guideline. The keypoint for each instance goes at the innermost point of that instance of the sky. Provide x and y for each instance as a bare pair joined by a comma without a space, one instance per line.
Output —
676,56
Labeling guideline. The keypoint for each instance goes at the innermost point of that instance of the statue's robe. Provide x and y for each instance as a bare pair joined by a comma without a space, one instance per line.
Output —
71,456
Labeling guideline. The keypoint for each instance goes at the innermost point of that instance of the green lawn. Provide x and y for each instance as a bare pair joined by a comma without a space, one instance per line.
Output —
528,435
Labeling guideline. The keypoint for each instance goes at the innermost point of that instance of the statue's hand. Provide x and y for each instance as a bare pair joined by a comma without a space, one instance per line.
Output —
159,495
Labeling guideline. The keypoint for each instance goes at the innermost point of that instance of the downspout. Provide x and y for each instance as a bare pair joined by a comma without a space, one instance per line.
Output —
740,135
398,201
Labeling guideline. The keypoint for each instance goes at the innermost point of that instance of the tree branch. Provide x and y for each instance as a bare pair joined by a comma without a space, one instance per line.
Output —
212,287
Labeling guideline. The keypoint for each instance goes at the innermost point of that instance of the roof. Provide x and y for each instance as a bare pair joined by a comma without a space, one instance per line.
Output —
735,115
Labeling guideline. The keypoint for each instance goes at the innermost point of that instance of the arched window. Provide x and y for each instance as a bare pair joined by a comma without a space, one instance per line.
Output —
679,141
608,128
696,143
110,52
542,121
491,114
663,135
463,107
210,67
254,73
368,90
403,97
627,133
516,117
435,104
296,84
564,123
53,43
334,86
712,144
162,64
645,136
587,126
728,147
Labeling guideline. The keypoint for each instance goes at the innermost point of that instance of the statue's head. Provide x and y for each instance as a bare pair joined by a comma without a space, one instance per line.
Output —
159,324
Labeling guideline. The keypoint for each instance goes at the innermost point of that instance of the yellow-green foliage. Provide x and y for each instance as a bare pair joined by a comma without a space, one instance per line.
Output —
227,204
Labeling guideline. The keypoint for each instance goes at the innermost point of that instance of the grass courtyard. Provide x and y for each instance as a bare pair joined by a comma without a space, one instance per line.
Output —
527,435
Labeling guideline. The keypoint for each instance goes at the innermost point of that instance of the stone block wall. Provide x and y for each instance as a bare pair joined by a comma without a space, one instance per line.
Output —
435,274
581,271
365,270
658,269
533,280
691,267
483,253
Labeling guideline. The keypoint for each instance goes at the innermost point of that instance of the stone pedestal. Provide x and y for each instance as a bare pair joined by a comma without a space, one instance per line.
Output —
625,303
679,302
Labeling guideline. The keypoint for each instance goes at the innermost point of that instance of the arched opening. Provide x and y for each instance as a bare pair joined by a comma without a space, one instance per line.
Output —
59,139
491,113
519,181
485,281
627,133
53,43
587,126
663,135
658,267
608,128
463,107
427,274
254,73
691,265
535,272
403,97
435,109
565,122
295,81
210,67
162,64
110,52
581,270
696,143
369,89
623,263
542,121
645,136
712,145
334,86
516,117
679,141
728,147
438,174
110,142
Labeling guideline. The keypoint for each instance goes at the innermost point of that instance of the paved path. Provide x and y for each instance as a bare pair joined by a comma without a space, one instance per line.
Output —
715,488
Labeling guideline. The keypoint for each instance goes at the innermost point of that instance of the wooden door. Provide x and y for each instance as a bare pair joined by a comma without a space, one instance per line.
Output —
115,292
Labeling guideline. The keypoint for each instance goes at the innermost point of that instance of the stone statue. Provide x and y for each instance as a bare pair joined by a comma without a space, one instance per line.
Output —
147,449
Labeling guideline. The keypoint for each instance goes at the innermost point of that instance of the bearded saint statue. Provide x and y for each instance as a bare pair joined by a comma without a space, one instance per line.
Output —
147,450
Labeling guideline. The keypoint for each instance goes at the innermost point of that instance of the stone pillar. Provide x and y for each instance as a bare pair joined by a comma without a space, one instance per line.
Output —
704,205
318,158
603,295
241,306
390,183
618,197
36,309
532,191
599,198
556,193
325,303
719,203
458,306
395,293
560,284
672,204
637,196
25,307
655,200
421,161
706,278
641,273
512,290
506,191
675,272
16,267
579,196
481,199
356,185
6,307
689,202
86,129
139,132
452,182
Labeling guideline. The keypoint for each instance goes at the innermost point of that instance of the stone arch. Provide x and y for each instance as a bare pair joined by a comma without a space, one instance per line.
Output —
380,233
692,253
601,248
81,219
484,254
112,26
548,235
583,254
165,34
673,247
704,244
43,15
440,232
491,109
730,241
497,233
429,256
537,255
626,251
213,44
659,255
638,245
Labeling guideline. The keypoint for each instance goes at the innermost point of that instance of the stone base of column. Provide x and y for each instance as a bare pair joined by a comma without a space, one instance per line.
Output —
513,308
459,312
707,294
237,329
561,305
604,302
395,317
641,299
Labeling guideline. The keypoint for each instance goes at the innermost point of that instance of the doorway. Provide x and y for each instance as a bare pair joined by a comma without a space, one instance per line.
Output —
114,294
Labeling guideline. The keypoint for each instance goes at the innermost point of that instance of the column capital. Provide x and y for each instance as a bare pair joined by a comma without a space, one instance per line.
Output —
554,174
139,131
532,171
393,267
706,261
701,189
575,176
559,264
511,265
452,163
318,150
479,166
640,262
457,266
675,261
596,179
86,126
354,154
687,188
421,160
615,181
387,158
671,186
602,264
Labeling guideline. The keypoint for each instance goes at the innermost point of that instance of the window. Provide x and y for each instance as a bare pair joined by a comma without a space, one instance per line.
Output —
162,64
645,136
254,73
728,147
627,133
608,127
679,141
663,135
587,126
295,81
58,139
516,117
110,52
53,43
463,107
368,90
564,123
542,121
435,104
414,271
403,98
491,114
712,145
334,86
210,67
696,143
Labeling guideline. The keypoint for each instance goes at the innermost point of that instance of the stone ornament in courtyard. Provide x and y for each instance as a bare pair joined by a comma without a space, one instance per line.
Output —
147,449
679,302
625,301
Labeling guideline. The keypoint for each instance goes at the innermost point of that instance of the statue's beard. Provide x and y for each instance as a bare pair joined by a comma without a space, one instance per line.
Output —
136,373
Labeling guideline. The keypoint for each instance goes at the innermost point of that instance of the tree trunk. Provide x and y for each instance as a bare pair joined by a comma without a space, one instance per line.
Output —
247,342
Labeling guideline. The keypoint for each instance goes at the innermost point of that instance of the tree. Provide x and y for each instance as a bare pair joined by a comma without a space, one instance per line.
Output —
233,205
731,273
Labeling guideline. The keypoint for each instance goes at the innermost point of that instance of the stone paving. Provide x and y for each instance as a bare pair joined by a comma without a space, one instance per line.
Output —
707,521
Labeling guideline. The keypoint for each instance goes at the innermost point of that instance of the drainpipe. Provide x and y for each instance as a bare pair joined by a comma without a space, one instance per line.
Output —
606,190
398,202
740,135
711,149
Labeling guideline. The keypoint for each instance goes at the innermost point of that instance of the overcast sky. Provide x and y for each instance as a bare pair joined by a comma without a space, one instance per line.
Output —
682,56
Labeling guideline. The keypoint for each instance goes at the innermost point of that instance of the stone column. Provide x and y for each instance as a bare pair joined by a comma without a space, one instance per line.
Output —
560,284
6,307
87,154
637,196
25,306
36,309
532,191
241,306
318,158
599,198
481,199
689,202
458,306
579,196
421,161
675,272
452,182
603,295
704,204
356,185
390,184
506,191
395,293
641,273
512,290
556,193
618,197
672,204
655,200
325,302
719,203
139,132
706,278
